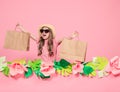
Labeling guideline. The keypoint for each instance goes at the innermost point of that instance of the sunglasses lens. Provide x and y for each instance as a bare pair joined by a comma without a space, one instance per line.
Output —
46,31
41,30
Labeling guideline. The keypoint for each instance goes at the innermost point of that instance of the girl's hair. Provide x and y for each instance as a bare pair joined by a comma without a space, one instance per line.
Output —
50,44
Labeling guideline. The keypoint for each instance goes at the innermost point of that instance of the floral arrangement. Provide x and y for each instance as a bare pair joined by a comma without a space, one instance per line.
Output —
99,66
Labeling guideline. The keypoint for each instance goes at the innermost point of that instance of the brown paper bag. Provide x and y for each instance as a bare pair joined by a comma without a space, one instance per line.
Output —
73,49
17,40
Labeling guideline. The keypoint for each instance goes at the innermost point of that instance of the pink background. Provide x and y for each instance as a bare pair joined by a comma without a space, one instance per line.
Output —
98,22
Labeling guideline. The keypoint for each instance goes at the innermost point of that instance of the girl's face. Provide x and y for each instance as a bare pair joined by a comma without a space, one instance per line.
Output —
45,32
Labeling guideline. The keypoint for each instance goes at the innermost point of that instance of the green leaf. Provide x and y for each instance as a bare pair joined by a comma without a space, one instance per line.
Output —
29,72
87,70
40,74
35,65
9,62
6,71
64,63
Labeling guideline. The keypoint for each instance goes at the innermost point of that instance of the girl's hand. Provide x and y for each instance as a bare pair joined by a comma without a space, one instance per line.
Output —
20,27
17,25
75,34
23,30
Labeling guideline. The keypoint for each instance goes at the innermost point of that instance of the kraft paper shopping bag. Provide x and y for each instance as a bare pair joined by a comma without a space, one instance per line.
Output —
17,40
73,49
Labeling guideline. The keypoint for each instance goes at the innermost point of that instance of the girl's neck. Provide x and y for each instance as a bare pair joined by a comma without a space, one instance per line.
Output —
46,40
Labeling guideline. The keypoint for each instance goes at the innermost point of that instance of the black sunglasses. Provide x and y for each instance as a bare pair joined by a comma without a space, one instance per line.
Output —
44,30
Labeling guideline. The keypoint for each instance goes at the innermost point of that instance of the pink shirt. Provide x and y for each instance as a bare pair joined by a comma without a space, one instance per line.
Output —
45,54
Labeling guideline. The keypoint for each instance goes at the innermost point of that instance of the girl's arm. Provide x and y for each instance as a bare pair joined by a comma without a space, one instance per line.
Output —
23,30
75,34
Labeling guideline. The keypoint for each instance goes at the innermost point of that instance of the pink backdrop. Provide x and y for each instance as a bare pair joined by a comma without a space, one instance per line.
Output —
98,22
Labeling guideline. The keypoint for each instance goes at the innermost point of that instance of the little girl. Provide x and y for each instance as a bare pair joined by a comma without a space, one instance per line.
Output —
47,45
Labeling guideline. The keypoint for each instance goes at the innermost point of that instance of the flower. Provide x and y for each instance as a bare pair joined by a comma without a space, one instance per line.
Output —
17,69
77,68
114,66
47,69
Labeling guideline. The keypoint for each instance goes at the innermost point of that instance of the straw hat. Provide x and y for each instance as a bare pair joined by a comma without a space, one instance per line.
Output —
49,26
